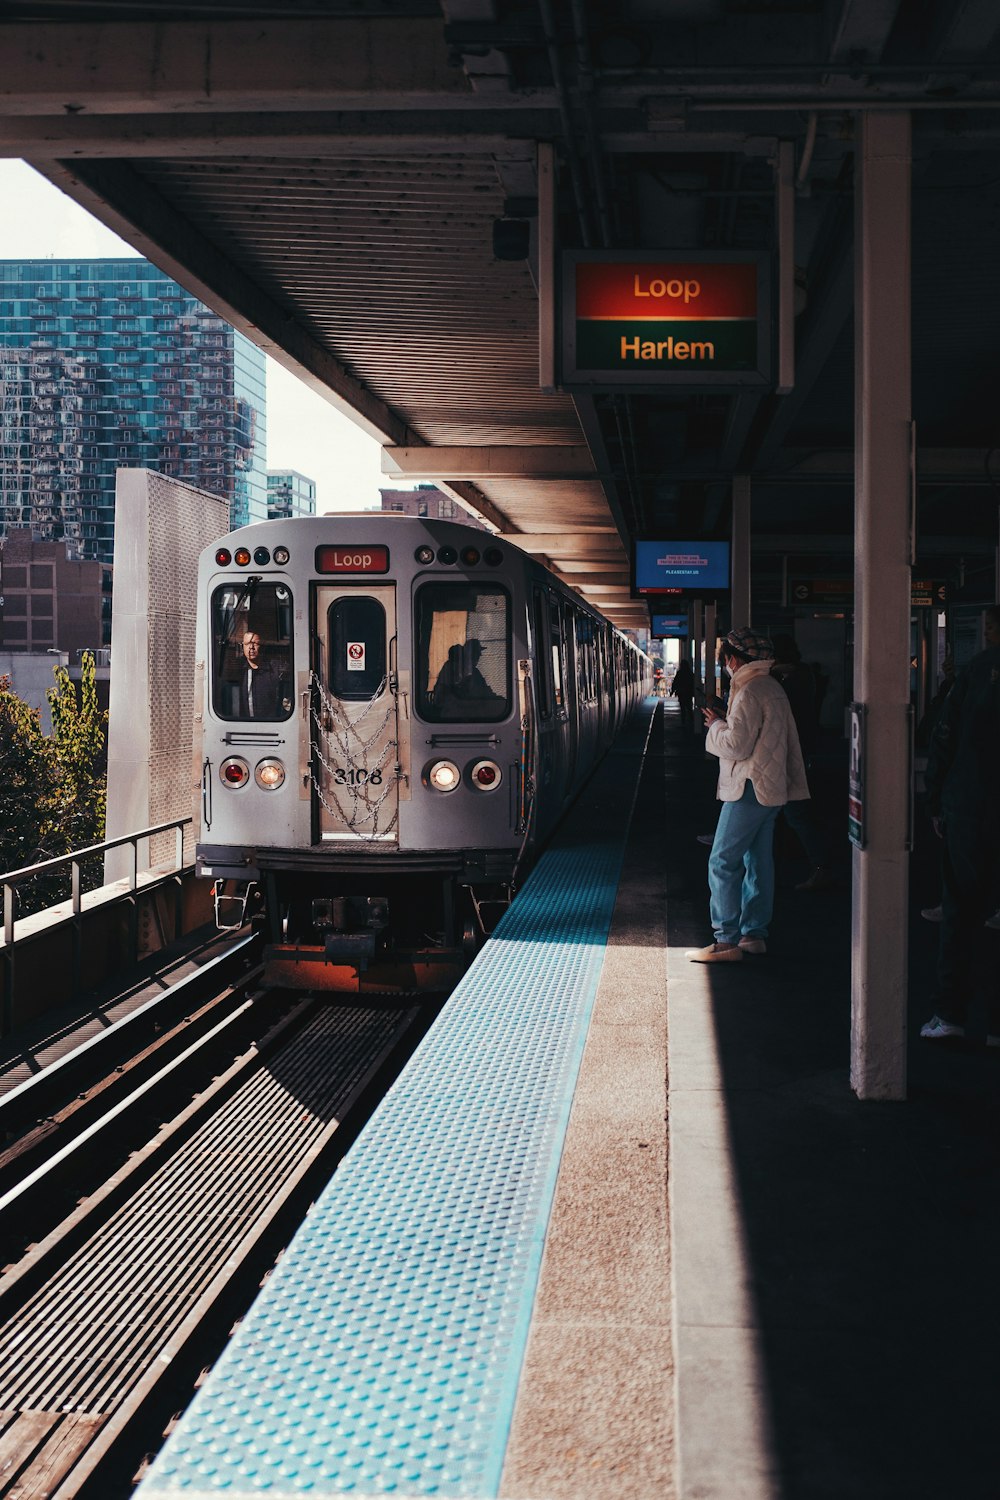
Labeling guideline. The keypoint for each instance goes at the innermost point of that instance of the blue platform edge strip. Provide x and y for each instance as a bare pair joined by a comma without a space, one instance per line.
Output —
383,1356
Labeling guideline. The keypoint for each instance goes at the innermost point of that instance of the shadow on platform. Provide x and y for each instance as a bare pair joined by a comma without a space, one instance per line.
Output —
872,1230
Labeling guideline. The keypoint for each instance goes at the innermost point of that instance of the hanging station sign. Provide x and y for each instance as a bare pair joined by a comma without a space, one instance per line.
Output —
654,318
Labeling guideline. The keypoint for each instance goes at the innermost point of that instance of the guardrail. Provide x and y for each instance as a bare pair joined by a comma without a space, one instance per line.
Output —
13,879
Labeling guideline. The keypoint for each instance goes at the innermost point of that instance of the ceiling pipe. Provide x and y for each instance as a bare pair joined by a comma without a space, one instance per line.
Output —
585,80
808,147
576,173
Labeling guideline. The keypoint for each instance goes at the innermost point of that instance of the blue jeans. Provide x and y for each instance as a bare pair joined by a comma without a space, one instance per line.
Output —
741,869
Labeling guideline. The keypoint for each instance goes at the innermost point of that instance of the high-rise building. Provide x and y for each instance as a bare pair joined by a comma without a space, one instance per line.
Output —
289,493
108,364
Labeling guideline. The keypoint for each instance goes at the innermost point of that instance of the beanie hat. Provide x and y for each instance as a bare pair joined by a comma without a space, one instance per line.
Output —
747,643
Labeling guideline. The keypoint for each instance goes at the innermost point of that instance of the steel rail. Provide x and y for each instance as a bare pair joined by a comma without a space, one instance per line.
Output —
97,1313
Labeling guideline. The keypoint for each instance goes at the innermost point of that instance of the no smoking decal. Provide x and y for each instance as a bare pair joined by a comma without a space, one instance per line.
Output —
355,656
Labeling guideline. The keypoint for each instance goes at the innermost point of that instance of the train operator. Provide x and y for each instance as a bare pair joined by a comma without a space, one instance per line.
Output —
262,690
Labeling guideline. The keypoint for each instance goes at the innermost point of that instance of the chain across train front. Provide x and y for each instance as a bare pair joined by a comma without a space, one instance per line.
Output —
335,735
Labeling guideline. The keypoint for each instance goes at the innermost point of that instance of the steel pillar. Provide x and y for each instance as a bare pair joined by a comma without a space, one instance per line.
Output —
741,552
882,469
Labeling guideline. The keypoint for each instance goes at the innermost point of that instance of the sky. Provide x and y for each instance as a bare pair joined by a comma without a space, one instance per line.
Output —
303,431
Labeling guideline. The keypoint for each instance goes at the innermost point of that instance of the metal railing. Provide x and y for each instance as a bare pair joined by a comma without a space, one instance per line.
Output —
10,882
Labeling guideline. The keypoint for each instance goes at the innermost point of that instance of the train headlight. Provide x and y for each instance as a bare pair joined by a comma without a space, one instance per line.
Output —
443,776
234,772
281,556
485,775
424,555
269,775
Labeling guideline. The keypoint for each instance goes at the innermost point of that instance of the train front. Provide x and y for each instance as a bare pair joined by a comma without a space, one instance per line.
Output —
364,777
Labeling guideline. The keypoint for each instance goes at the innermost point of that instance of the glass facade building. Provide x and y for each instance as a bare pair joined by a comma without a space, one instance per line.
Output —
289,493
108,364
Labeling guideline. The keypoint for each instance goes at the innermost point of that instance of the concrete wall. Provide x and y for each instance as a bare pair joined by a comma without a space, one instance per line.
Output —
161,528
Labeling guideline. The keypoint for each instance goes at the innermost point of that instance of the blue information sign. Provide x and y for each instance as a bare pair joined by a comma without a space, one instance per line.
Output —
693,567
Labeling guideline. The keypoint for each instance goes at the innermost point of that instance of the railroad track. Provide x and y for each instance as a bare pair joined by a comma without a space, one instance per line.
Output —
105,1316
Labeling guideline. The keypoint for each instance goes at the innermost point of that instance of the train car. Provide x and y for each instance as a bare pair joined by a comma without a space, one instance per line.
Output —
392,715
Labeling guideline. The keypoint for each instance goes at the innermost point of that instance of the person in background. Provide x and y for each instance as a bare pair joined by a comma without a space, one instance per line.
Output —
963,792
682,688
922,739
760,770
799,683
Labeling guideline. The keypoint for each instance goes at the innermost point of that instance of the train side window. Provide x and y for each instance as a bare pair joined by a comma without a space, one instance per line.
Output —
252,666
462,634
555,653
543,670
356,633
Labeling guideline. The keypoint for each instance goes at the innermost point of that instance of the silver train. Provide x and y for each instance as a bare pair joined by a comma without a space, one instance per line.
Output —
392,715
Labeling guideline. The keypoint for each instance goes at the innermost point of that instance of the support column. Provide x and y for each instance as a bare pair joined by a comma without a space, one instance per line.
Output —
741,552
711,630
698,640
882,601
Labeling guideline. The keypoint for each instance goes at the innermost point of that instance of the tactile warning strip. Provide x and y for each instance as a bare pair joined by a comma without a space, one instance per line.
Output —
383,1356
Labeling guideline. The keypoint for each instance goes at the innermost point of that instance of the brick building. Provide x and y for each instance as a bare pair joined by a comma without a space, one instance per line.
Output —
49,601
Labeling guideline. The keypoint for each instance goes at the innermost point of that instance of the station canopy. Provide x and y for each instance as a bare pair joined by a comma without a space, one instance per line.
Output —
477,226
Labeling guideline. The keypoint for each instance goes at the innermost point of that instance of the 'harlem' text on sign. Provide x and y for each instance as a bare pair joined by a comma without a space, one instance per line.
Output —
669,348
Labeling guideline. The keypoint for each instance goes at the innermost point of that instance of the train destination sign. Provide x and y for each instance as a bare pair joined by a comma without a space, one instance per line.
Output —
652,318
357,558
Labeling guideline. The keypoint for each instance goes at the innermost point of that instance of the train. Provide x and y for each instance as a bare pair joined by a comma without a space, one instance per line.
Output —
392,714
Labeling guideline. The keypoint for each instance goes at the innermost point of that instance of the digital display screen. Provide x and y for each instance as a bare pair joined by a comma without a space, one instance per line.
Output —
668,627
696,567
357,558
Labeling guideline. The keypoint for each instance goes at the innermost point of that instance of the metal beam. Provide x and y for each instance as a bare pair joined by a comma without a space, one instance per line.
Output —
281,135
218,66
500,462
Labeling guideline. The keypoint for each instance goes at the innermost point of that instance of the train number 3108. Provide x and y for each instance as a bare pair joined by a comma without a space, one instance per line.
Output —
345,777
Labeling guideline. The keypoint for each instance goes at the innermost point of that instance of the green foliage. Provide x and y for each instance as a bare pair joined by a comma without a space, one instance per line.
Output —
27,768
78,727
54,787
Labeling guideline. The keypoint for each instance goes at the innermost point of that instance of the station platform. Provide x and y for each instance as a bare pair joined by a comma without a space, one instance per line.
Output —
663,1250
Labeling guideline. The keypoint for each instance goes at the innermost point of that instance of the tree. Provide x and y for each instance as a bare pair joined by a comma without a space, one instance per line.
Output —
78,732
54,787
27,767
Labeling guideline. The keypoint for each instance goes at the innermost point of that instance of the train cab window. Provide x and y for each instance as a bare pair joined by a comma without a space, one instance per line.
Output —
357,636
252,668
462,635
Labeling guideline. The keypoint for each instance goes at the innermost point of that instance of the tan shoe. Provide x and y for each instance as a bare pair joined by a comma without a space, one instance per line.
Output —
753,945
715,953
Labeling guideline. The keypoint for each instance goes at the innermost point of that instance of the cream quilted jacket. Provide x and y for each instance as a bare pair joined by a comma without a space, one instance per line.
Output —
757,741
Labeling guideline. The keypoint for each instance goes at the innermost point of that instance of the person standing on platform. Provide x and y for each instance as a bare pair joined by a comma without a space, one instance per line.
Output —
963,794
760,769
682,688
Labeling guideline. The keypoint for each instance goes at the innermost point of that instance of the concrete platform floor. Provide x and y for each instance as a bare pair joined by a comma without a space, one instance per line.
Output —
816,1316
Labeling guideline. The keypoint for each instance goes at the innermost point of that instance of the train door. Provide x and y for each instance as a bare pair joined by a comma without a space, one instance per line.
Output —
354,715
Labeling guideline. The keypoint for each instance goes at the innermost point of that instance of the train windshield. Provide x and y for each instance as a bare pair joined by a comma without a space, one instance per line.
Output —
252,651
462,653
